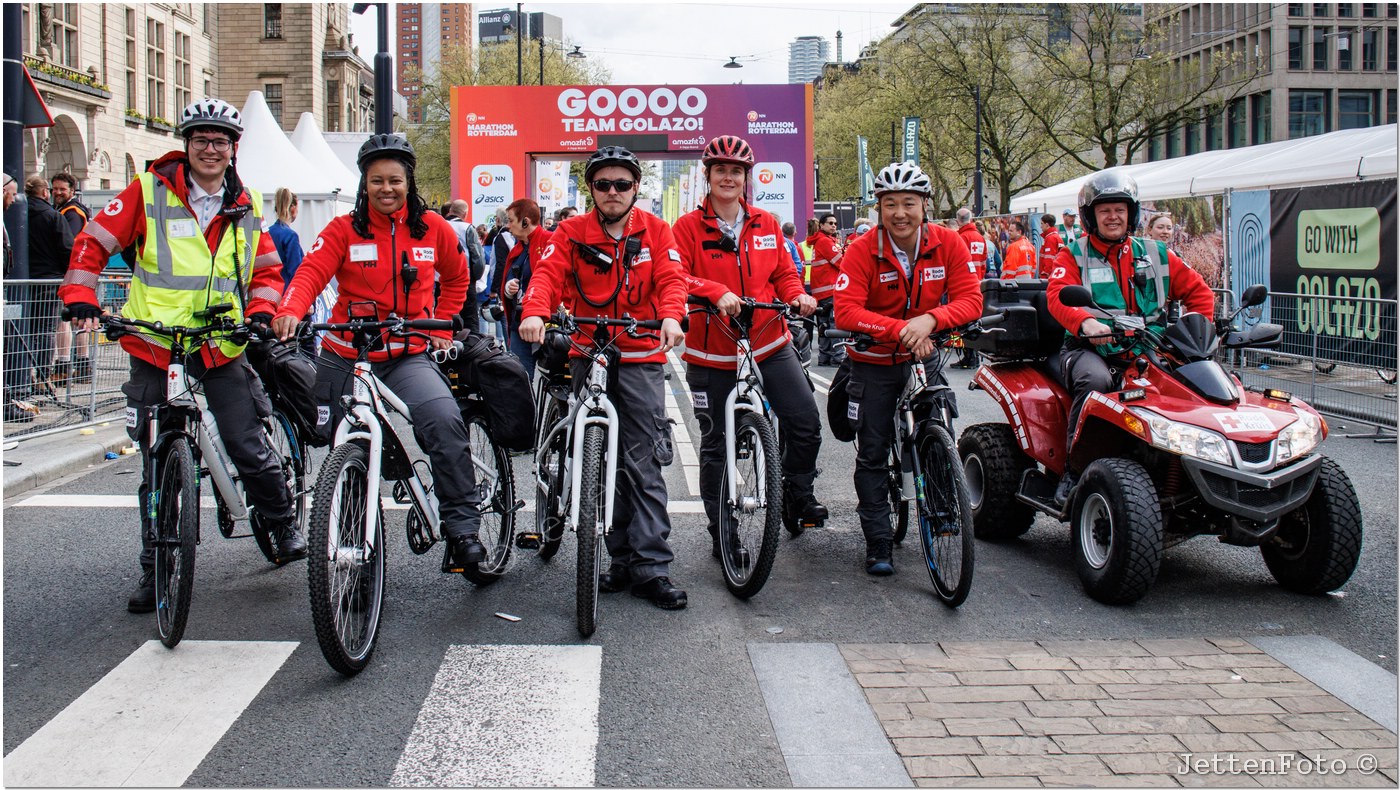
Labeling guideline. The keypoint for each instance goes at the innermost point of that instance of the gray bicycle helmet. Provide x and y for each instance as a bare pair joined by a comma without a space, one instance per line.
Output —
612,155
1108,186
211,114
379,146
902,177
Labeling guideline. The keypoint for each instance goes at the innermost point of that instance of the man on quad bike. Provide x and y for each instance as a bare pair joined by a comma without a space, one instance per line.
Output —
1126,275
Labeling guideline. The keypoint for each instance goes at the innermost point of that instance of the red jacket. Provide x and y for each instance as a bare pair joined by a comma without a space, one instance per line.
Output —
762,269
1050,245
873,295
370,270
123,222
825,265
1187,285
652,288
538,240
976,248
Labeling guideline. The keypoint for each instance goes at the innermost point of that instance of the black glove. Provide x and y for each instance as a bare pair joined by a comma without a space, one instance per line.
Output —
82,311
262,319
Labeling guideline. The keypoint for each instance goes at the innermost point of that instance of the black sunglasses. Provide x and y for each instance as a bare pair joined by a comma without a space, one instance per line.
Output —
616,185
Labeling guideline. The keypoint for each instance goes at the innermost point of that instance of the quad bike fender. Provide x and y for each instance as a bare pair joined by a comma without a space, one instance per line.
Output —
1035,404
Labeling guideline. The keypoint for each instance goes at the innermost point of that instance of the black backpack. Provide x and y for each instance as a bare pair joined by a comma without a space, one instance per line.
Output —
290,380
485,368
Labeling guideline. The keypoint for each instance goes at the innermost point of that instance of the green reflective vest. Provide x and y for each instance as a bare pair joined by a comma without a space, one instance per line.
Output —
176,274
1151,290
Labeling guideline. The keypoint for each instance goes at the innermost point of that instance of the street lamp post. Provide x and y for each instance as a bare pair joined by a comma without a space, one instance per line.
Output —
383,71
977,173
519,54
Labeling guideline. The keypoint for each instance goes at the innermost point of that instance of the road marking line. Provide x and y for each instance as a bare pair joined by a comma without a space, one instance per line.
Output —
507,716
828,734
1338,671
151,720
128,501
685,446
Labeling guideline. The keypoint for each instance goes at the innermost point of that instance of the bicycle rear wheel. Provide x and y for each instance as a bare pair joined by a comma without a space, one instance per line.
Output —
346,573
899,508
945,515
549,487
748,528
495,484
591,511
177,533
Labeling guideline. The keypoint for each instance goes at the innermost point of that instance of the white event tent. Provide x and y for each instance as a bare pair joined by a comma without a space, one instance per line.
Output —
312,144
267,160
1335,158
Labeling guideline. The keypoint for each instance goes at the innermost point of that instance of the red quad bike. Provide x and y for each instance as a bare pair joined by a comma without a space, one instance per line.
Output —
1180,448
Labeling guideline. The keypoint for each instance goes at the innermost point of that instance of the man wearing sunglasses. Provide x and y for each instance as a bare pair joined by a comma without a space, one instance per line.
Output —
613,261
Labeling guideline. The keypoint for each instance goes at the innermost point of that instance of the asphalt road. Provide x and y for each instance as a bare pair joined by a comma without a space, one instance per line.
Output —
679,704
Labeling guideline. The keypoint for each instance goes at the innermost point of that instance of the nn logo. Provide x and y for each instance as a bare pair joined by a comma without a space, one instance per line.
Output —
765,176
485,179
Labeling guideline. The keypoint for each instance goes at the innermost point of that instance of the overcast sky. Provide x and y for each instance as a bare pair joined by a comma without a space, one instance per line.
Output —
660,42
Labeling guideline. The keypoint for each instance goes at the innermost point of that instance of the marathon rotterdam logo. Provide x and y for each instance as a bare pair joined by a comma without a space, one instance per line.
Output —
758,124
477,128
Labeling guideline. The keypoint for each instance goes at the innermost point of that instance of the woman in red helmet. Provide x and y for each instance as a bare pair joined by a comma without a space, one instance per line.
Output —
731,249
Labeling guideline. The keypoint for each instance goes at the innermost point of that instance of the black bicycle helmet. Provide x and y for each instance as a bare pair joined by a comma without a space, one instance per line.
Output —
379,146
609,156
211,114
1108,186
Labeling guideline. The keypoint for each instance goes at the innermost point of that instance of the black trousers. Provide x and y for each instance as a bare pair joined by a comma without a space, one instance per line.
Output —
1082,371
874,392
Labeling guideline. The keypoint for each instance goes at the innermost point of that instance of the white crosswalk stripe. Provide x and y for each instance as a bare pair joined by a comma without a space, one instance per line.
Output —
686,506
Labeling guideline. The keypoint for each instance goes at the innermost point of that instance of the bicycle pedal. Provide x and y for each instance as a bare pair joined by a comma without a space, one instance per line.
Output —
812,523
527,540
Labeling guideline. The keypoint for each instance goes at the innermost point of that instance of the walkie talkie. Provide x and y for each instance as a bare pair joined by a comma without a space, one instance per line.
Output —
409,272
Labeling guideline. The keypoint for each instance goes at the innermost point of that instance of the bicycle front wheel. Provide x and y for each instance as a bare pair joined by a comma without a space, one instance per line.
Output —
592,506
945,515
176,521
495,484
346,567
749,526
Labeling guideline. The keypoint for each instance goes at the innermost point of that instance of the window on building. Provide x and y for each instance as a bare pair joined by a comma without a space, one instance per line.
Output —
155,69
1308,113
1390,106
332,105
1297,9
132,59
1344,50
182,70
210,12
1322,9
1173,144
1215,134
1346,10
1319,46
1296,56
1357,109
1261,110
1237,121
65,33
1390,49
1154,149
1193,139
1370,10
272,20
272,91
1370,50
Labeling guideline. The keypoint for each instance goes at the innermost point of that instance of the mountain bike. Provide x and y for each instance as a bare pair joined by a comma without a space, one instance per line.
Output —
576,456
926,470
184,445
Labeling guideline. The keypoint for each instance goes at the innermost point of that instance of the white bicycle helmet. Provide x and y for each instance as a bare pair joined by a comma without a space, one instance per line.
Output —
902,177
211,113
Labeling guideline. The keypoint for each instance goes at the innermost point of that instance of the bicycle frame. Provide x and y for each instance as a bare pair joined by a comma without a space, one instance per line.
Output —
594,409
746,395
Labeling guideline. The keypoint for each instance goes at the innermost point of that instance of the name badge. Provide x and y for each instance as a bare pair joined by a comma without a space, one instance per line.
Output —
888,277
182,228
644,255
423,254
934,273
769,242
1100,275
360,253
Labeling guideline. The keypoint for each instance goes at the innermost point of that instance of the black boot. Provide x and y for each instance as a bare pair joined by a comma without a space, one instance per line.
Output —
879,559
617,578
288,543
143,598
462,551
801,510
1065,488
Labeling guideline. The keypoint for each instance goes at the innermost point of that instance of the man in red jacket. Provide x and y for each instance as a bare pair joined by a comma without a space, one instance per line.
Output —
1050,245
199,239
619,260
823,270
1127,276
893,286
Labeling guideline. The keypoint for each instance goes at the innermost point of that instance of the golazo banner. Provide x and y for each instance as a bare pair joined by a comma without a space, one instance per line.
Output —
911,139
867,178
1335,247
497,131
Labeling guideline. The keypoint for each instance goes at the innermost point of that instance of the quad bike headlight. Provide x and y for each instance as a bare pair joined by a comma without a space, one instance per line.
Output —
1300,437
1182,439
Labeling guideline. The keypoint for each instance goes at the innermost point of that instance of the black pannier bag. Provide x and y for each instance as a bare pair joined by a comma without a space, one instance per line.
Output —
290,380
838,402
485,368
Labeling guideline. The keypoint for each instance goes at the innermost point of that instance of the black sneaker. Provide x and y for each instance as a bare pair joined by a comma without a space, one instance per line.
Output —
1065,488
288,543
143,598
616,579
879,560
461,552
660,592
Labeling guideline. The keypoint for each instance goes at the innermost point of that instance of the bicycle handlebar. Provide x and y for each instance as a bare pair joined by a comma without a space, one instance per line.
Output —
393,324
971,329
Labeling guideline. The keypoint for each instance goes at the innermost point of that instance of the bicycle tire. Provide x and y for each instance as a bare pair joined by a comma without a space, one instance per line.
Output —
497,533
591,506
290,455
748,546
898,507
346,589
549,520
945,515
177,533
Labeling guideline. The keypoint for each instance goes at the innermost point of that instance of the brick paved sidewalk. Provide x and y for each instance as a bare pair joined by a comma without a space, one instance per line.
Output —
1114,713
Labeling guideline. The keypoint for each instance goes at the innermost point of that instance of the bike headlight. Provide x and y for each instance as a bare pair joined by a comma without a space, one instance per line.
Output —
1300,437
1182,439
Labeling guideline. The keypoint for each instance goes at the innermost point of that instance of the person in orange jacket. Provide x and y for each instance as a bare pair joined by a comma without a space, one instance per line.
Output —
1020,254
730,250
613,261
899,284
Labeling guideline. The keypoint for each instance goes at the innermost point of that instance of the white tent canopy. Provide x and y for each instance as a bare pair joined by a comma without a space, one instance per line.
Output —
267,161
312,144
1338,157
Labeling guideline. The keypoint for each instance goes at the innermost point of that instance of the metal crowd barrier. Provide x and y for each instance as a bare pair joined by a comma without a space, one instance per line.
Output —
1338,354
40,399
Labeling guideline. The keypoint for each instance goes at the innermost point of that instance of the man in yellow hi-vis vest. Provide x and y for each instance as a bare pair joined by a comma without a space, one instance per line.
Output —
198,234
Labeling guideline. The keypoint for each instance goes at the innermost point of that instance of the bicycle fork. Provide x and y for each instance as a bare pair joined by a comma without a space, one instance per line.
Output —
596,409
751,403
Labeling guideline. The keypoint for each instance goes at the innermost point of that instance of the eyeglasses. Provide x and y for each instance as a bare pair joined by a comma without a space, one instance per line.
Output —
201,143
618,185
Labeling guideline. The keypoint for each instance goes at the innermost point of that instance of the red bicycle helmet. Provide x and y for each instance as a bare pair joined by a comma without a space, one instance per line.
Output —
727,148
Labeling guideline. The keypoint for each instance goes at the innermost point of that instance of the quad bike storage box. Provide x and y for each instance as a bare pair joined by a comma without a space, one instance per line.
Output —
1029,331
